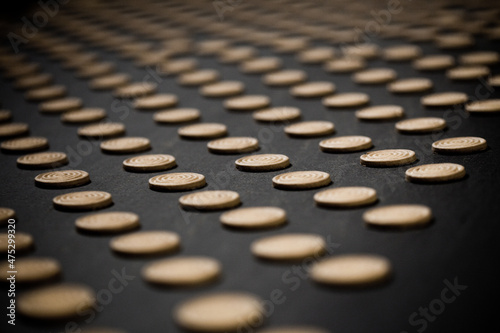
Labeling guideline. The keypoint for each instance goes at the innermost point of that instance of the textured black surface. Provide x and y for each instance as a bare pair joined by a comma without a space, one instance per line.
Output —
460,244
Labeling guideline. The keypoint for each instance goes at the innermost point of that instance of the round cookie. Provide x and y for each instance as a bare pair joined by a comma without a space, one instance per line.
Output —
25,144
277,114
459,145
421,125
176,116
288,247
125,145
254,217
203,131
108,222
85,200
435,173
247,102
401,216
346,100
380,112
210,200
62,179
149,163
146,243
388,158
310,129
32,269
177,181
346,197
45,160
233,145
300,180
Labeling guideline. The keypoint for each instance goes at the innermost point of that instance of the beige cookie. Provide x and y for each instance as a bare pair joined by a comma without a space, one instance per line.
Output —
261,65
211,46
85,200
247,102
219,312
198,77
210,200
316,55
6,214
177,181
155,102
61,105
309,129
313,89
32,269
178,66
46,93
457,40
351,270
488,105
286,77
33,81
344,144
95,69
45,160
182,271
125,145
110,81
146,242
301,180
421,125
345,65
402,215
223,89
108,222
346,197
374,76
472,72
262,162
102,130
288,247
435,62
459,145
56,302
380,112
435,173
25,144
203,131
277,114
254,217
444,99
410,85
176,116
364,50
13,129
5,115
404,52
233,145
85,115
346,100
479,58
289,44
388,157
135,89
237,54
62,179
23,242
21,69
494,80
149,163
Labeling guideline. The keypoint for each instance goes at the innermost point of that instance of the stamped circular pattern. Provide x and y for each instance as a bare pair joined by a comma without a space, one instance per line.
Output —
56,302
343,100
459,145
344,144
198,77
135,89
32,269
24,242
351,270
444,99
398,216
286,77
25,144
125,145
346,197
262,162
388,157
13,129
434,173
219,312
247,102
290,246
155,102
176,116
380,112
85,200
223,89
374,76
178,181
261,65
488,105
85,115
254,217
313,89
62,179
210,200
102,130
203,131
410,85
110,81
108,222
43,160
146,242
6,214
45,93
421,125
316,55
345,65
467,72
310,129
233,145
149,163
277,114
298,180
182,271
435,62
61,105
